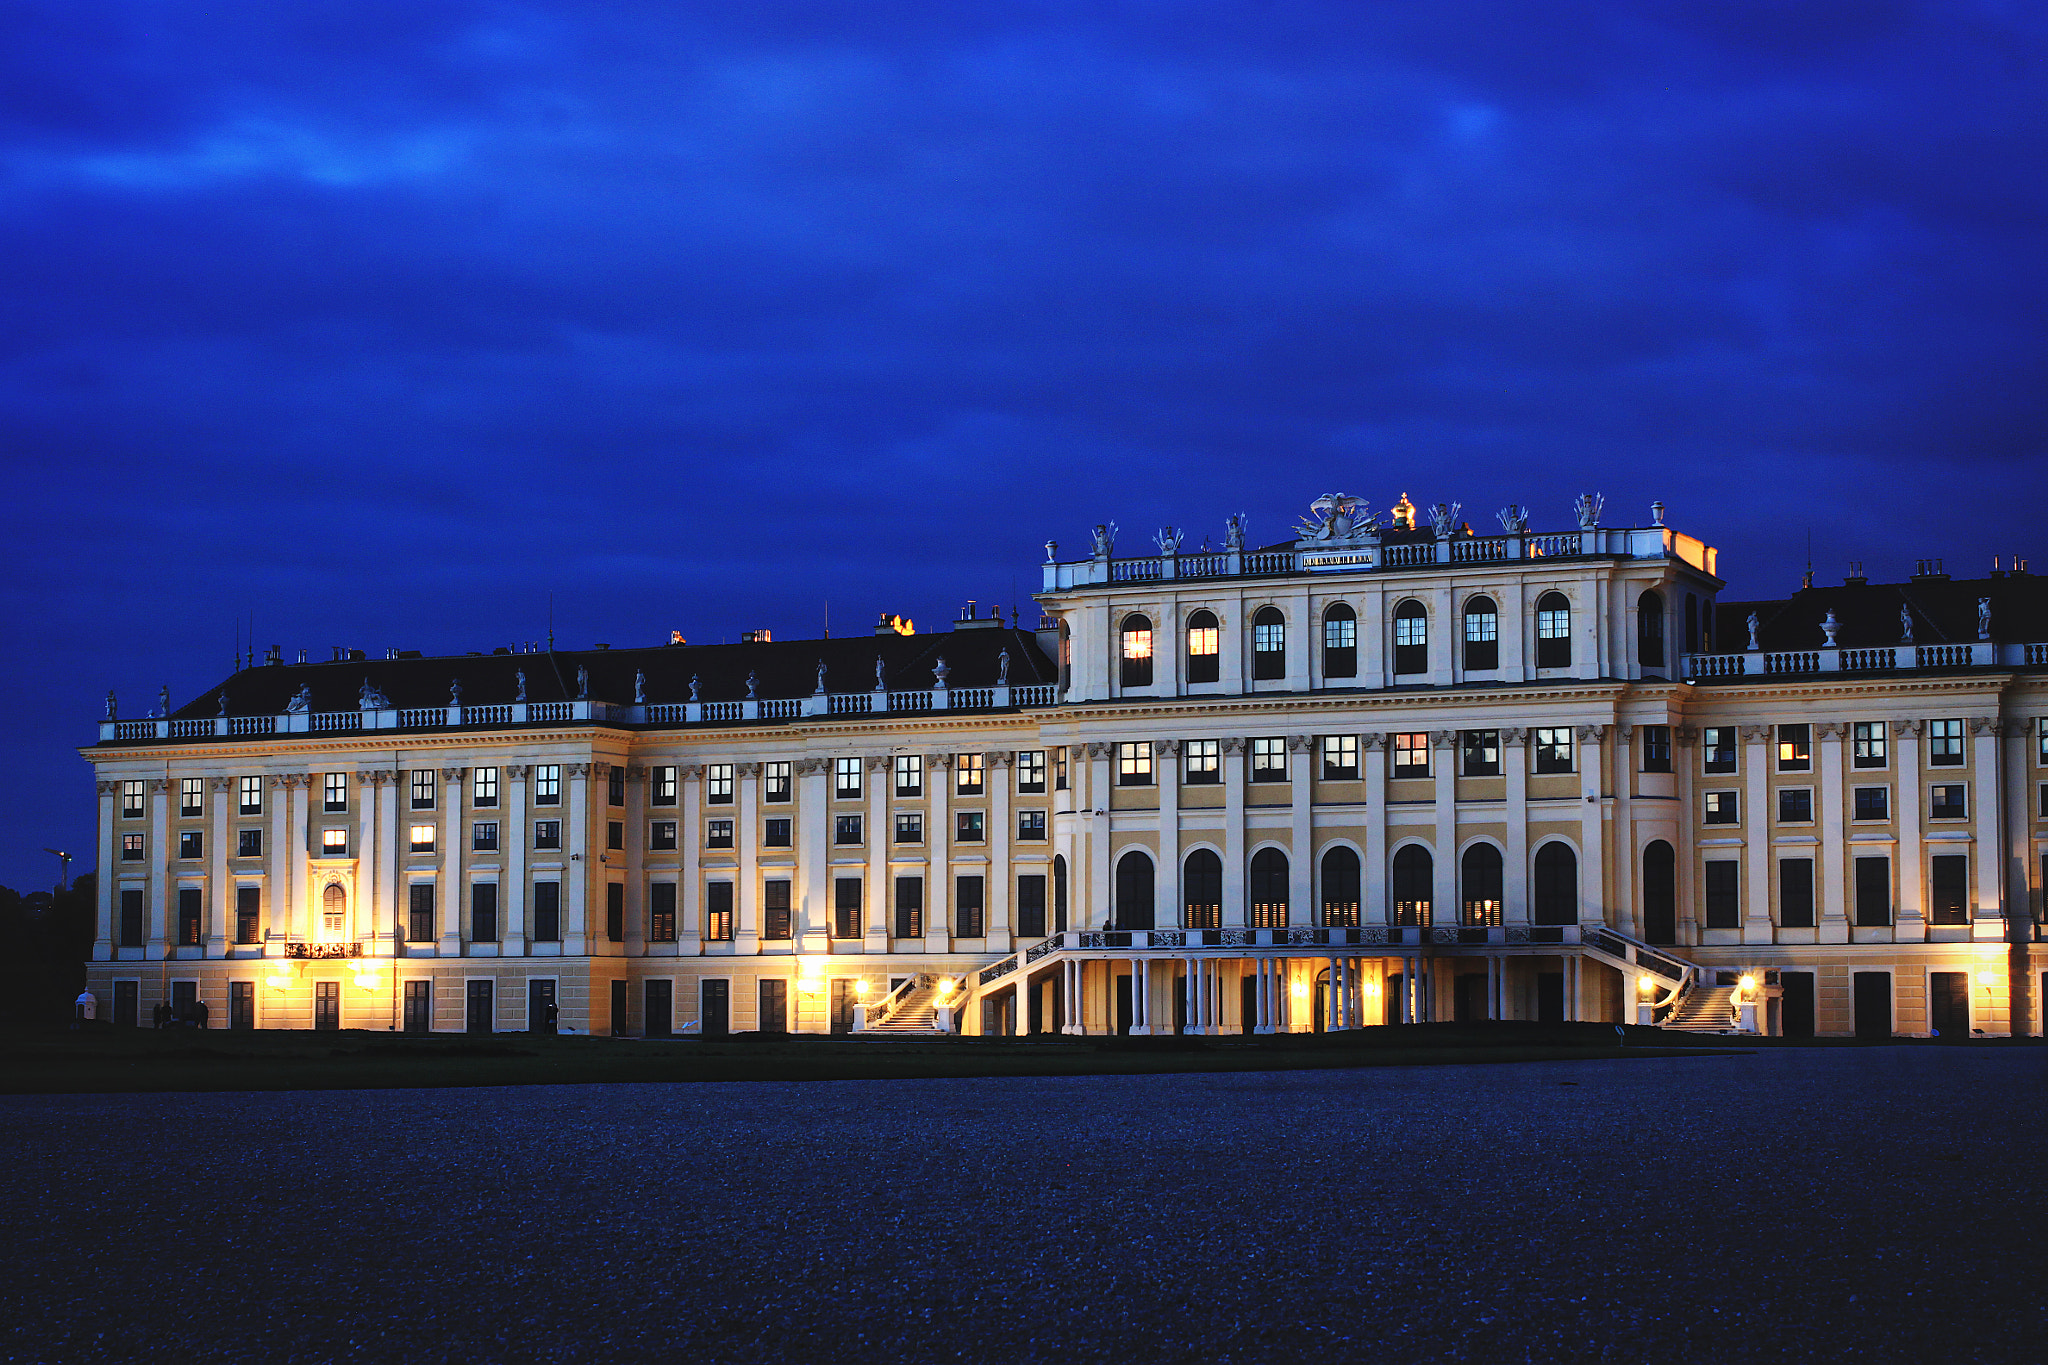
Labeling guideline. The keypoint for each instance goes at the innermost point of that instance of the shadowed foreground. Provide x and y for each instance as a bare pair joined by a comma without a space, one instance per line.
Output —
1786,1204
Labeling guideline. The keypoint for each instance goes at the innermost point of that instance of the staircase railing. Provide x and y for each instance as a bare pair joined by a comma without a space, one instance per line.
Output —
1678,975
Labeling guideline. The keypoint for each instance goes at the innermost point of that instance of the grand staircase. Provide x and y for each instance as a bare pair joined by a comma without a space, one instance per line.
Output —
910,1011
1705,1009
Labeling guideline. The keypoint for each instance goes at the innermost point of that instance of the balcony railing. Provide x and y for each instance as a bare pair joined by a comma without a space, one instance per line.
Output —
1778,663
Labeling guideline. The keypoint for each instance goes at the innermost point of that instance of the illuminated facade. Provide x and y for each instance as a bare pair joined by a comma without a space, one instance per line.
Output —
1380,772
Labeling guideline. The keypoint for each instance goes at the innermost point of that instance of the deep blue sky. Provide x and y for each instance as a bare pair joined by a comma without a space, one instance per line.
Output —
381,321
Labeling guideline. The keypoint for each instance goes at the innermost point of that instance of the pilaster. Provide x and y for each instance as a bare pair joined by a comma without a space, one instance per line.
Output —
1592,756
1988,826
814,852
1170,906
1099,905
1909,921
1373,892
1514,757
1233,832
512,842
746,840
107,933
938,840
1001,832
1301,760
218,889
1443,890
448,876
160,870
1756,834
1829,864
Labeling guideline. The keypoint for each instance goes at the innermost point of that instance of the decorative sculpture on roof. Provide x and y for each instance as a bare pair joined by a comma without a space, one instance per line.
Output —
1003,669
1905,623
939,670
1514,519
639,687
1588,507
455,691
695,682
753,685
222,708
113,706
1829,627
878,673
1443,519
301,702
821,677
1404,514
582,682
1983,618
519,679
369,698
1052,549
163,701
1753,623
1338,517
1168,539
1657,514
1233,532
1103,539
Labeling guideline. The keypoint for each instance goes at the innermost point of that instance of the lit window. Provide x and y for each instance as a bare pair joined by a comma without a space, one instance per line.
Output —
1795,748
661,785
422,838
718,834
1553,749
422,788
483,787
334,842
248,795
1031,770
1411,754
1134,764
775,781
1201,761
1944,743
333,909
547,834
547,784
967,827
191,796
1269,760
1340,758
1868,741
131,799
909,828
131,848
1202,646
334,792
718,784
909,775
1136,650
968,774
1721,808
846,778
1031,824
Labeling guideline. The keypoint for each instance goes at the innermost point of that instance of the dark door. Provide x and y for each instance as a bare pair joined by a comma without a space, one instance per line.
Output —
1468,998
326,1004
1796,1005
1873,1003
1181,985
1660,893
1948,1004
717,1014
843,1000
1550,997
618,1009
241,1004
479,1008
1124,1018
183,994
128,1004
1397,988
419,1006
540,1007
1247,1004
1322,1001
774,1006
661,1009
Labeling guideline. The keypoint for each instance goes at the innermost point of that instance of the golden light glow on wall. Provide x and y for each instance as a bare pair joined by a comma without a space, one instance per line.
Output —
278,983
1300,990
368,980
1987,979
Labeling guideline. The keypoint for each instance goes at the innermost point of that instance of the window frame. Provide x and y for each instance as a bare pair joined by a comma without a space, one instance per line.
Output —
1720,750
719,833
424,788
1793,745
842,789
664,785
1340,641
1857,803
1269,644
1340,758
778,831
970,774
134,797
1409,742
661,836
970,827
777,781
1134,651
1794,799
249,795
1031,827
547,784
1266,760
1411,638
906,772
1553,630
1201,762
847,830
1029,762
483,836
1939,808
1479,753
191,797
1870,747
483,788
1204,656
421,838
720,782
1721,807
547,835
1134,763
1946,744
1554,750
1480,634
908,827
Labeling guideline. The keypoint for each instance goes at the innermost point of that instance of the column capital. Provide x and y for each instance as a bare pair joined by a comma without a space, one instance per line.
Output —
747,770
522,771
1986,725
108,788
1166,748
1233,744
939,761
1514,736
1830,729
879,763
807,767
693,772
1902,728
1685,735
1373,741
1102,749
1001,758
1300,744
454,774
1591,734
1755,734
635,773
222,784
576,769
160,785
1626,734
1443,739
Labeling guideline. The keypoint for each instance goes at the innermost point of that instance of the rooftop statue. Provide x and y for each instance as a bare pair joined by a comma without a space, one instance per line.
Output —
878,673
1753,623
301,702
1102,539
1003,669
1168,539
582,682
1983,618
113,706
1233,532
821,677
695,682
1905,623
455,691
753,685
369,698
1338,517
1588,508
163,701
1443,518
1514,519
519,677
639,687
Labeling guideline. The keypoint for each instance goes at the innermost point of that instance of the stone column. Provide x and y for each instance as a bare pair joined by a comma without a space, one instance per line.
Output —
881,900
1301,760
512,846
1593,832
1756,834
1909,920
161,872
1170,906
1988,825
938,834
1372,891
448,879
1684,738
373,908
690,881
576,862
745,826
1443,646
106,937
814,852
1517,659
219,891
1443,892
1622,830
2018,853
636,845
1233,832
1098,905
1001,876
1514,762
300,861
1830,857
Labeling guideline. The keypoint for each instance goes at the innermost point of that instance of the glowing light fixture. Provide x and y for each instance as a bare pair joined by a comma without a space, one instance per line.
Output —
1300,990
1748,984
1646,984
277,983
811,985
1987,979
945,987
367,980
860,988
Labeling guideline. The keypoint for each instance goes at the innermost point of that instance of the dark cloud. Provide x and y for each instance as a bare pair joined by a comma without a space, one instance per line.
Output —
385,321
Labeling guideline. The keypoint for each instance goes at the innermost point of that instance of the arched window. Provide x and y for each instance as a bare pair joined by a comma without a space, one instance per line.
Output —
1340,642
1340,888
1269,889
1660,893
1411,638
1414,877
1202,886
334,909
1482,633
1133,892
1553,631
1269,644
1481,873
1556,892
1650,631
1202,643
1136,652
1059,893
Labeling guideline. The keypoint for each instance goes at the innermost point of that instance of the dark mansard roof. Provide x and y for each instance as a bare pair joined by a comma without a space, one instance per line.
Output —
786,668
1944,611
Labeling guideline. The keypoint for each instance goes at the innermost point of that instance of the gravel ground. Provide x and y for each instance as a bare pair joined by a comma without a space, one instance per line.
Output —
1883,1203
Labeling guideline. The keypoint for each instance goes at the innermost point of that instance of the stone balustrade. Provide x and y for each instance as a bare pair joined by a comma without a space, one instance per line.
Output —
1883,658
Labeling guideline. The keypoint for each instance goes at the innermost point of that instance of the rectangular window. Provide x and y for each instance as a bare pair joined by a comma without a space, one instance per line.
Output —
1031,905
1553,746
1269,760
1201,761
419,913
615,834
1948,900
775,781
776,833
1795,893
661,836
1269,646
1795,805
1554,635
131,799
1340,644
1873,803
1722,808
1656,748
422,788
1724,897
131,848
248,914
1031,826
718,834
1203,659
846,778
1795,748
1873,892
547,784
1340,758
248,796
483,912
483,836
249,843
422,838
334,792
483,788
846,908
775,917
192,795
909,775
614,912
910,907
131,918
190,843
969,827
615,786
1479,752
968,774
1717,749
1134,764
547,834
662,785
2041,743
1411,755
909,827
547,912
1947,802
1059,769
1867,741
334,843
191,915
718,784
1031,771
661,912
1944,743
846,830
970,913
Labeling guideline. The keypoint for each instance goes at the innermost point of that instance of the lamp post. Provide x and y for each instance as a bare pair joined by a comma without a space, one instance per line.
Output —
63,869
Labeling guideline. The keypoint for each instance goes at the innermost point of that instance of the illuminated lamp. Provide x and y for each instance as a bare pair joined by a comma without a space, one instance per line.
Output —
1300,990
1748,984
1646,984
277,983
860,988
1987,979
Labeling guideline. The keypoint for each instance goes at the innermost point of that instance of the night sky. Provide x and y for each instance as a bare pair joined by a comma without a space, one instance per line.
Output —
380,322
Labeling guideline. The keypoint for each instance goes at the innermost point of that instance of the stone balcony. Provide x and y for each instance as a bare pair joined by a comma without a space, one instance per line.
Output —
1879,659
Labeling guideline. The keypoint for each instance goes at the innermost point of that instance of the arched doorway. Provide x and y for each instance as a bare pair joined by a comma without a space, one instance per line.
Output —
1660,893
1414,873
1133,892
1269,889
1555,895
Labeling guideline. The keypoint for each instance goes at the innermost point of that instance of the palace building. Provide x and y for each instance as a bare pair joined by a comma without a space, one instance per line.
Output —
1388,770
